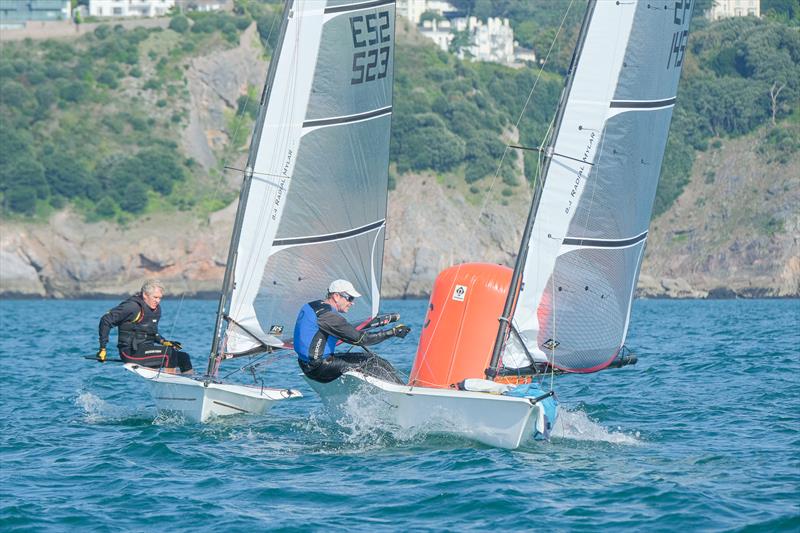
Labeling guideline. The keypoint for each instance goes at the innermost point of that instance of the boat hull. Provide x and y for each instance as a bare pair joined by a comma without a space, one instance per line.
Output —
197,401
492,419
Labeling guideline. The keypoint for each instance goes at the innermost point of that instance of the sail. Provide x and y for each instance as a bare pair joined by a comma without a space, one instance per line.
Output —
588,238
315,207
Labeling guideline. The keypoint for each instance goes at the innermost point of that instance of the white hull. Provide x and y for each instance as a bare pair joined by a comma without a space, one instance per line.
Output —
198,402
501,421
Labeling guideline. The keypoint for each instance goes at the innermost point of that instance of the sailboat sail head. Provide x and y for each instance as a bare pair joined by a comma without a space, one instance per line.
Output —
588,238
316,203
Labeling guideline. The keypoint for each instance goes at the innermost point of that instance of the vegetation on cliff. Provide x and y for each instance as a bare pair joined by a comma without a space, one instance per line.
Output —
94,121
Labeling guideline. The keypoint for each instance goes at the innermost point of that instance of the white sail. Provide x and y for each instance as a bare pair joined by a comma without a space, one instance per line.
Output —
590,230
315,208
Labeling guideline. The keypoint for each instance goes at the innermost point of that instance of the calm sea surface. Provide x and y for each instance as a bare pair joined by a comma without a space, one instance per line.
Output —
702,434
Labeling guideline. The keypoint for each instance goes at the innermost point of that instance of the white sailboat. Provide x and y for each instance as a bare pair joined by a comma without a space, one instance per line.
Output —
313,202
566,305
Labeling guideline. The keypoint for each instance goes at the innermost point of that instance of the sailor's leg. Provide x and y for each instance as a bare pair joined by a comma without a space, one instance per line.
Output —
371,365
149,355
323,371
181,360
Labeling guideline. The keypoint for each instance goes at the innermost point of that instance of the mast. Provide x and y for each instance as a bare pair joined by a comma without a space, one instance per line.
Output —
227,282
516,277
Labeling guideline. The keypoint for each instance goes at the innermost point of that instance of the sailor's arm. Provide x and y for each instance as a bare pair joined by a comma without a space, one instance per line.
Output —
335,324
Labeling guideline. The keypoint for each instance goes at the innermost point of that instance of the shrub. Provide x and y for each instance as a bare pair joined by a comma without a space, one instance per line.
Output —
134,199
179,23
106,207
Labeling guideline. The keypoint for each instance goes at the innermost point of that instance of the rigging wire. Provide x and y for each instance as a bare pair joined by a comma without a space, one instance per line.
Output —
239,123
548,132
262,213
522,112
216,191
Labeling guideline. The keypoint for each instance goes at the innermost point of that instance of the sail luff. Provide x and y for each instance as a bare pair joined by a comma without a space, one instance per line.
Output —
317,203
524,248
246,181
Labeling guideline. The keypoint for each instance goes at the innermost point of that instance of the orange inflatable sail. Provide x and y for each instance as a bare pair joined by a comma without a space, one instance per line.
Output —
461,324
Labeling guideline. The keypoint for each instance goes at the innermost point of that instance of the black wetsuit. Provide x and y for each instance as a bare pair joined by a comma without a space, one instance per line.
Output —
317,331
139,340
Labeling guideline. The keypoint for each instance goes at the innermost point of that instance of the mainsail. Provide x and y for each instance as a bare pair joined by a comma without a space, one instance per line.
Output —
592,212
313,206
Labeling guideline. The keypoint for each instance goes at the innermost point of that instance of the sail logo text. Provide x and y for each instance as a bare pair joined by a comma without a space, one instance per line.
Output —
574,192
282,184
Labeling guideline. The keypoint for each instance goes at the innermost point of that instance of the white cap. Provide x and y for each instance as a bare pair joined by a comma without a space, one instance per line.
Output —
342,285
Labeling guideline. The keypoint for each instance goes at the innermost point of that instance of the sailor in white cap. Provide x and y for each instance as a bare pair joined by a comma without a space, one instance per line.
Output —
320,326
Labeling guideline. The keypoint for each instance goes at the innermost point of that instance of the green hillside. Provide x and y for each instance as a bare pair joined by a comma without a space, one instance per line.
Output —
93,121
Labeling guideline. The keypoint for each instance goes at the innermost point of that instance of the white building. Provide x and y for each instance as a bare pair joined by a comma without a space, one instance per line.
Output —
440,32
413,9
734,8
491,41
130,8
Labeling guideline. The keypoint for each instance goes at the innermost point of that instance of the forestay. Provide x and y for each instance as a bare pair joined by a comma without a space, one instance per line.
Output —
590,230
315,206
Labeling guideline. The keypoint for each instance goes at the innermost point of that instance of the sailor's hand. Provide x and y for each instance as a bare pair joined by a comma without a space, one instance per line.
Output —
381,320
101,355
400,330
171,344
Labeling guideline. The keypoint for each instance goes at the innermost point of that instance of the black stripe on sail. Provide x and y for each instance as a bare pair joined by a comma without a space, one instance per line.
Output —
329,236
643,104
606,243
349,118
353,7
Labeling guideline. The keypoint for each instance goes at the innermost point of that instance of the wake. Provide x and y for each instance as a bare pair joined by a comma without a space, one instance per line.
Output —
576,425
97,411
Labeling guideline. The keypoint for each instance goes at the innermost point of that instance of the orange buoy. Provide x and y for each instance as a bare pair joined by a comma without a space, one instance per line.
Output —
461,324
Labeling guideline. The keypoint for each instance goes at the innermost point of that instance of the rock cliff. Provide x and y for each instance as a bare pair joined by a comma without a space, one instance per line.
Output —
733,232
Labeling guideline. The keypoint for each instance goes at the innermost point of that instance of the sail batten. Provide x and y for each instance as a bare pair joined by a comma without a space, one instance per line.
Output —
605,243
332,121
312,239
598,190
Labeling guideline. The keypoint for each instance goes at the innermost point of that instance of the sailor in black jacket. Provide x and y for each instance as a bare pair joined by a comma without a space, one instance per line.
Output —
139,341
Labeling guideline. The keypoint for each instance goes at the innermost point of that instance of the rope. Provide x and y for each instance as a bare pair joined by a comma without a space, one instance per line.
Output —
218,184
487,195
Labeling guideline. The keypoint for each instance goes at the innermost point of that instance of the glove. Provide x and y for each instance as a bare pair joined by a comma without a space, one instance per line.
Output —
400,330
101,355
382,320
171,344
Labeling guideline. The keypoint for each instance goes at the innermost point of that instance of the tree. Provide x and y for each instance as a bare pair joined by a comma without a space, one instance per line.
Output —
179,23
461,41
134,199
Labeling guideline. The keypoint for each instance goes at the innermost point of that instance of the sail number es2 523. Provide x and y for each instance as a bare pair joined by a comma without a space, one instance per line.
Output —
372,43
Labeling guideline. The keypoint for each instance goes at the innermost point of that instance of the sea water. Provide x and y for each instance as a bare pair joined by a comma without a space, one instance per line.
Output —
701,434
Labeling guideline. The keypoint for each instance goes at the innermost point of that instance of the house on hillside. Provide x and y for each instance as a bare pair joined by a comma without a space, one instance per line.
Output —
492,40
204,5
734,8
414,9
130,8
17,13
438,31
